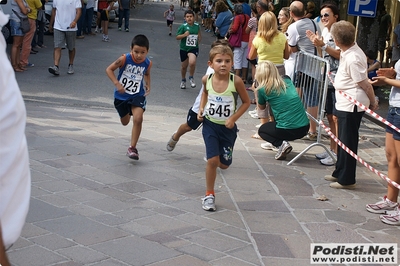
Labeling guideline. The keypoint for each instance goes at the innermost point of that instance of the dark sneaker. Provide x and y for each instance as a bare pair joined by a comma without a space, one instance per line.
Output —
382,206
132,153
54,70
208,203
171,143
284,149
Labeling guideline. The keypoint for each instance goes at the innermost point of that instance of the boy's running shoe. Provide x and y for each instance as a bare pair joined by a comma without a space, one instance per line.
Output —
171,143
192,84
132,153
392,218
382,206
70,69
208,203
183,85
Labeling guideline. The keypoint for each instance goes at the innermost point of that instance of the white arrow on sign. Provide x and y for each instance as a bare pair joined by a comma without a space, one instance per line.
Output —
366,12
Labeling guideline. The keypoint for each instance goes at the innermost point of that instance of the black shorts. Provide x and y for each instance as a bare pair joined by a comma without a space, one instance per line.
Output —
192,121
184,54
104,15
124,107
169,22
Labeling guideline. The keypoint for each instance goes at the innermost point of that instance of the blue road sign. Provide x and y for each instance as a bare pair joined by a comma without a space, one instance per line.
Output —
362,8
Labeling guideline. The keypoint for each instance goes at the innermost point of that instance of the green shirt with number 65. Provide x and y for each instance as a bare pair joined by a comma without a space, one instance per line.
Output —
192,41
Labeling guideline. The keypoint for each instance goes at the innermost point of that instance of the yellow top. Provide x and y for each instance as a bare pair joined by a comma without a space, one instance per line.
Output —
34,5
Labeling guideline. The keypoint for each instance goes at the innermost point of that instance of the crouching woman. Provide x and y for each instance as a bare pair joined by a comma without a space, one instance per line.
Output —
291,120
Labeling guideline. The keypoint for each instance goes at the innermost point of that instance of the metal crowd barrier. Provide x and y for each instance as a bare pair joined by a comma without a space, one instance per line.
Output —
310,78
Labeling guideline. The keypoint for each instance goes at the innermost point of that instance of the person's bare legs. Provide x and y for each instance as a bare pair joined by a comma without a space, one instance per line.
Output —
137,114
192,63
244,74
313,111
15,52
392,154
332,120
184,66
211,172
57,55
71,54
183,129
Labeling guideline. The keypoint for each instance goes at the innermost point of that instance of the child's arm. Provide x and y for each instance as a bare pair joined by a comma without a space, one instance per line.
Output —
382,80
165,13
110,73
147,80
181,35
374,66
204,99
241,89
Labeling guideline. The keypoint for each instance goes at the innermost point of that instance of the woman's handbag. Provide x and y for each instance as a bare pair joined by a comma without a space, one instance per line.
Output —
235,39
25,26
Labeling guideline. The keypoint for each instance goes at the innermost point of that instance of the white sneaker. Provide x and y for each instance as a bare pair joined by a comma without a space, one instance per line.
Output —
383,206
183,85
328,160
254,115
208,203
252,112
192,84
259,125
322,155
70,69
269,146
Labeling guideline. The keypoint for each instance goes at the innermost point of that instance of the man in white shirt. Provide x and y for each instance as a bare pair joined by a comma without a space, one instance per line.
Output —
64,19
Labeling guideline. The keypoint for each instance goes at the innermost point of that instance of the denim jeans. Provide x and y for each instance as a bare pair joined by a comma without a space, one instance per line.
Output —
87,26
124,14
81,21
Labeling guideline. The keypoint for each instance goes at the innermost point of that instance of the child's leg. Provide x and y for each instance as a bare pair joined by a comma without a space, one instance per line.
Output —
184,68
137,114
183,129
125,120
105,27
392,155
211,174
192,64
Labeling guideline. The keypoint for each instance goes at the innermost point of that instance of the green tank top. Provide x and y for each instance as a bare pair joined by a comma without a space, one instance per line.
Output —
221,106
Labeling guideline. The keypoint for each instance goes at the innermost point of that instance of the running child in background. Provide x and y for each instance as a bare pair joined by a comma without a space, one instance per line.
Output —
105,19
191,121
131,87
190,36
218,112
170,15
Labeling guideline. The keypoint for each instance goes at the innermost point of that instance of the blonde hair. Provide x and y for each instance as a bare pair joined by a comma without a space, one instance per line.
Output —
267,76
220,49
267,26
